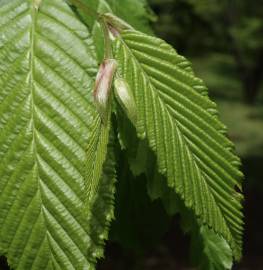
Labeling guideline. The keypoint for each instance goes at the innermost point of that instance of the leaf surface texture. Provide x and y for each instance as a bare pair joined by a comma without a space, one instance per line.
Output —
183,129
47,120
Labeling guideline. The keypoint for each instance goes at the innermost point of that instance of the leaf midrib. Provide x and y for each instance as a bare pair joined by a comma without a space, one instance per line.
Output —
33,14
176,125
35,137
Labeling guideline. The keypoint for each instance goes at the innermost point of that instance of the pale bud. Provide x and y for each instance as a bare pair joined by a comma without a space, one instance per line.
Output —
102,87
125,98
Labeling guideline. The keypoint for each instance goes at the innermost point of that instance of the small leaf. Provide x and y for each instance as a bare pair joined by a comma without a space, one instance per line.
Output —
102,205
216,253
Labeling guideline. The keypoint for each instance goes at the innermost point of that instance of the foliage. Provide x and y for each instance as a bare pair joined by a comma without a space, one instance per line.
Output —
58,157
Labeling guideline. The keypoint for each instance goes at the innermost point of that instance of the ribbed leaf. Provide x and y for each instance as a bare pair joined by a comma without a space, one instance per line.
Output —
181,125
101,210
209,251
96,156
47,120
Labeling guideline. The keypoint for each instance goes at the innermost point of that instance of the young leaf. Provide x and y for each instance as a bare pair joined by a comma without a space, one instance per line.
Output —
180,122
47,120
212,250
101,207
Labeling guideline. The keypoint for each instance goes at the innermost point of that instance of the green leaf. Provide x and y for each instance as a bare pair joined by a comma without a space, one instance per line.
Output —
101,208
136,151
180,122
47,120
208,250
96,156
215,253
